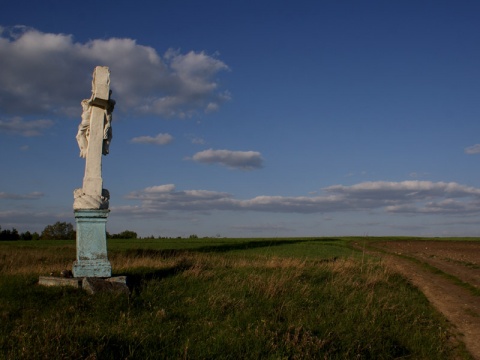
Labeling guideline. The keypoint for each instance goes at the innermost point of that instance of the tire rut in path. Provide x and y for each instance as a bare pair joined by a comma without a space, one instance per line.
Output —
457,304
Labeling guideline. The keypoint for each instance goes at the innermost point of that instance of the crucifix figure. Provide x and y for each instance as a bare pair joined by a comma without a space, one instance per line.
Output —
91,201
93,137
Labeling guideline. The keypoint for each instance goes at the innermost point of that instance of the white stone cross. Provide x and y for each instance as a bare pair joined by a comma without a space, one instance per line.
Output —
93,137
91,201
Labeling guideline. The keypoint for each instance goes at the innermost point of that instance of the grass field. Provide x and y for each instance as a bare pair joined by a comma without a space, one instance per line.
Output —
218,298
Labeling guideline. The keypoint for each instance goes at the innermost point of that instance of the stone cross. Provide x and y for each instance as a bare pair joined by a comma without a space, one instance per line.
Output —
91,201
93,137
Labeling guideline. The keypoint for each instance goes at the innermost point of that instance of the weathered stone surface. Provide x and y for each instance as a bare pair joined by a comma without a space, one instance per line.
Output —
94,137
97,285
101,84
118,279
92,285
91,202
92,259
59,281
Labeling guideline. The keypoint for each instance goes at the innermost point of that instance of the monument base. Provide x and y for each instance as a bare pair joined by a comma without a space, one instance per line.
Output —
93,286
92,268
92,260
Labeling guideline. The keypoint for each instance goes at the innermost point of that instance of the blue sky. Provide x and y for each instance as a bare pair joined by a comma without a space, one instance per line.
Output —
248,118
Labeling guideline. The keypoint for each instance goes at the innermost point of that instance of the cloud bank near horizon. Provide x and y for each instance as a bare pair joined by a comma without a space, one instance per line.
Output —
407,197
38,70
376,197
11,196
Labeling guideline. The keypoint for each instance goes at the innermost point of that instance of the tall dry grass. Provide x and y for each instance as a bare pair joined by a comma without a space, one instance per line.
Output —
35,260
210,305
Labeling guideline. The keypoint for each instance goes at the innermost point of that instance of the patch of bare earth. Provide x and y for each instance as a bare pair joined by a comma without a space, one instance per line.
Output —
460,259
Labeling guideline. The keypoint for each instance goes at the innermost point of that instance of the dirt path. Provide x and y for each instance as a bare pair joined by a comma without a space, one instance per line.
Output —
460,259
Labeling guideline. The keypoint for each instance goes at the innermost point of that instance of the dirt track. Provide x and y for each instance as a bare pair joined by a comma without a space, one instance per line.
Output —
460,259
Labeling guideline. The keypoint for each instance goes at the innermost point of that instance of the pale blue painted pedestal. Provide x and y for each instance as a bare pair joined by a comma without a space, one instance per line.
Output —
92,259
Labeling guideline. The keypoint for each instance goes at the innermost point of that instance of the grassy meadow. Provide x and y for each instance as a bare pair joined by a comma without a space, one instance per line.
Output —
218,298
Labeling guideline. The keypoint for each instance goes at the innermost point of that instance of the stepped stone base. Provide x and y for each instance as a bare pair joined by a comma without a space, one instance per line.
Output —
100,268
92,285
58,281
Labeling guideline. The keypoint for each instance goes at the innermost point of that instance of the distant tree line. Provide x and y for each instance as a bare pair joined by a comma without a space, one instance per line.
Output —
58,231
9,235
127,234
65,231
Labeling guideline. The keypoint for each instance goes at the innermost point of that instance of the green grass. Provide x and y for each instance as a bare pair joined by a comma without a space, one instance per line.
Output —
218,298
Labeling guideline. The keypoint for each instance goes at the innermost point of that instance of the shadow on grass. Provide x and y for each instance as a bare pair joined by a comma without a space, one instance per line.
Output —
248,245
136,279
255,245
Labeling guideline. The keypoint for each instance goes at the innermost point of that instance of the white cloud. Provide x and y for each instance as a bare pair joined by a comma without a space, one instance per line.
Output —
160,139
44,72
243,160
18,126
405,190
211,107
474,149
31,196
392,197
160,188
164,197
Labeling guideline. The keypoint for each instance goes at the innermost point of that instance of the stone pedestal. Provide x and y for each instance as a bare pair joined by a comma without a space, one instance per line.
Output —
92,260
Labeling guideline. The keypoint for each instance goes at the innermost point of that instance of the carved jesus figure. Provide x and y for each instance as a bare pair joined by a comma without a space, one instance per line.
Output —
84,127
93,137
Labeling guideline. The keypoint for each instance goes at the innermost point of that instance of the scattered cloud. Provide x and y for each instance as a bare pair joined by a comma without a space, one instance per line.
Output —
474,149
392,197
243,160
38,70
31,196
164,197
198,141
18,126
160,188
160,139
211,107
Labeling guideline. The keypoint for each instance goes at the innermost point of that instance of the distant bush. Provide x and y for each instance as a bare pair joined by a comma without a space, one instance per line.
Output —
58,231
26,236
12,235
6,235
127,234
